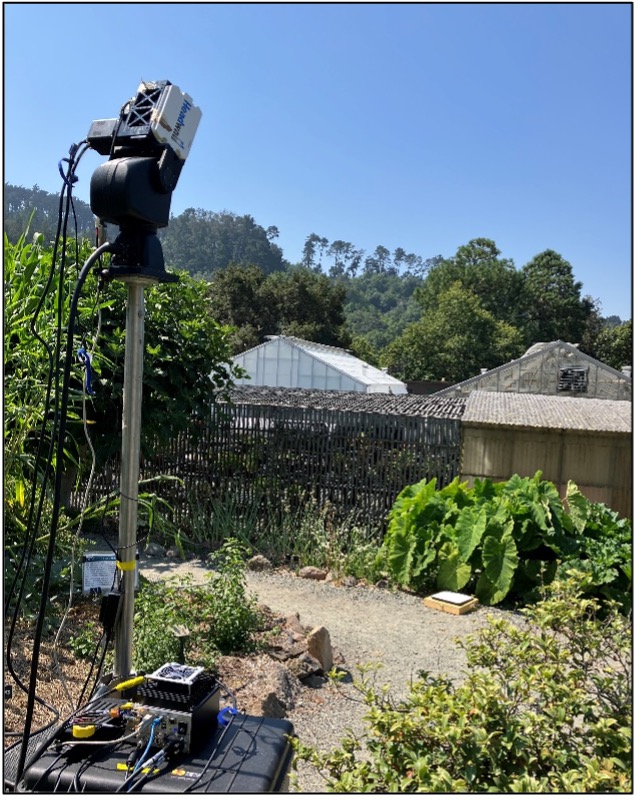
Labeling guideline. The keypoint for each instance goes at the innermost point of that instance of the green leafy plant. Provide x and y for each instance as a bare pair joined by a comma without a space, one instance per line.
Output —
83,644
221,616
505,540
546,706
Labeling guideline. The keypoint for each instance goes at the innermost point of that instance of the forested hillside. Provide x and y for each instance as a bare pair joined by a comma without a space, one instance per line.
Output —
423,316
41,208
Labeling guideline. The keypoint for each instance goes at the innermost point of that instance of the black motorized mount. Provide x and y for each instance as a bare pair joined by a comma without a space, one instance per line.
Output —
147,146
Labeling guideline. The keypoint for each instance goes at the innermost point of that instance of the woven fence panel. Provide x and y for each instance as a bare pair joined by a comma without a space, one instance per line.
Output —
355,461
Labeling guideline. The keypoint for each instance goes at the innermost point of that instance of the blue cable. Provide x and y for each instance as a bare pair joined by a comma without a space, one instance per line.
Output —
142,758
85,360
222,720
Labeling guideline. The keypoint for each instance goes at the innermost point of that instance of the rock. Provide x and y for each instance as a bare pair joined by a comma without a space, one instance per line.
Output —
172,552
259,563
263,686
293,623
304,666
313,573
382,584
349,581
154,550
284,652
279,690
314,681
319,647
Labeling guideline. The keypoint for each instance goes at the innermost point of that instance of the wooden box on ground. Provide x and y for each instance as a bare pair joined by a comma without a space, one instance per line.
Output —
451,602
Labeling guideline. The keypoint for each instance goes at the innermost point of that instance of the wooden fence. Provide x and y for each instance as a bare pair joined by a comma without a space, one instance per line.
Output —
356,461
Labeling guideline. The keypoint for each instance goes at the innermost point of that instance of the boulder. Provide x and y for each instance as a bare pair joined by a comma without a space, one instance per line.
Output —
259,563
313,573
319,647
293,623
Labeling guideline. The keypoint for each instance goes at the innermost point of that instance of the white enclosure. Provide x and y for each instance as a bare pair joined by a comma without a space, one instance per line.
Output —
297,364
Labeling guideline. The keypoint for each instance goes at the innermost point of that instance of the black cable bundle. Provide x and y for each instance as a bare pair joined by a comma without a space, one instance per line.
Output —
56,402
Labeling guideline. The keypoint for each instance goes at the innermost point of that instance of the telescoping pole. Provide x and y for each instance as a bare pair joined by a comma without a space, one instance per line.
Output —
130,468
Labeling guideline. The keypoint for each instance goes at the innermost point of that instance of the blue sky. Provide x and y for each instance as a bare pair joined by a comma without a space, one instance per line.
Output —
419,126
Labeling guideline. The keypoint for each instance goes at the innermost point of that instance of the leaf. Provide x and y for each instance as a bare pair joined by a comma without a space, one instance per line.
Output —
578,506
453,573
470,528
500,559
20,493
486,592
400,548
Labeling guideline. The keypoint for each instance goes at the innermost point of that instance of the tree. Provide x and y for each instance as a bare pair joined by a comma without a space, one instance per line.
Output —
298,302
306,304
614,346
235,295
310,260
478,267
202,242
554,308
454,341
38,210
380,305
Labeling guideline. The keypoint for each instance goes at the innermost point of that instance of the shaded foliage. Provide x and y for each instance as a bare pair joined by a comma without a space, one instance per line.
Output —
296,302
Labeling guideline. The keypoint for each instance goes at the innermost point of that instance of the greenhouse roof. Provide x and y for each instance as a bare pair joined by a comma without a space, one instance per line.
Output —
343,361
529,360
548,411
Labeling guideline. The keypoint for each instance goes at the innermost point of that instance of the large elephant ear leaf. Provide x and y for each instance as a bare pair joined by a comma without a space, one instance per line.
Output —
470,528
500,559
453,573
578,506
486,592
400,552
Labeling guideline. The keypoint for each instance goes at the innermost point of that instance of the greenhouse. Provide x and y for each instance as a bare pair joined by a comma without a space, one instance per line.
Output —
550,368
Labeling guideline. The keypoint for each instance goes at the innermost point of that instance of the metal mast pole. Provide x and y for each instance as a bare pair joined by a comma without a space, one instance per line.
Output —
130,469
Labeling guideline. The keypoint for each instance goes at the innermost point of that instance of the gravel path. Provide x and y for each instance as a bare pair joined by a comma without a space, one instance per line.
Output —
366,625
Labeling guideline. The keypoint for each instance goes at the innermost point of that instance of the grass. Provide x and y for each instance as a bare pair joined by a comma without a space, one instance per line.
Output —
288,535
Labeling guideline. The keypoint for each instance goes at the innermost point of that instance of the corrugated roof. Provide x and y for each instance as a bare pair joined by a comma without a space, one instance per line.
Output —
548,411
412,405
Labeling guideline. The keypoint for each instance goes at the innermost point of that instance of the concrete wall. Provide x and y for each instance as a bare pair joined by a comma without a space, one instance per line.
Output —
599,463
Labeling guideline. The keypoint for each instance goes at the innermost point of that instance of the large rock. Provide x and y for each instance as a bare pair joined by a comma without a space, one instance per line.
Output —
259,563
313,573
263,686
319,647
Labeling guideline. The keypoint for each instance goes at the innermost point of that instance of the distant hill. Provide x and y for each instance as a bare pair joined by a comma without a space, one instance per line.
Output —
42,208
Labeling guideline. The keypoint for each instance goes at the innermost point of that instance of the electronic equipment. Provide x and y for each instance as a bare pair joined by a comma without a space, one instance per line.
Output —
147,146
185,698
170,721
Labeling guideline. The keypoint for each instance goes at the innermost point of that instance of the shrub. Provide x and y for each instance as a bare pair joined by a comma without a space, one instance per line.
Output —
506,539
545,707
220,615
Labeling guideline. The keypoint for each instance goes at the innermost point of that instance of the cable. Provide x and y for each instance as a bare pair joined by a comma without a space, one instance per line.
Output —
227,725
29,542
87,490
107,247
141,762
33,525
